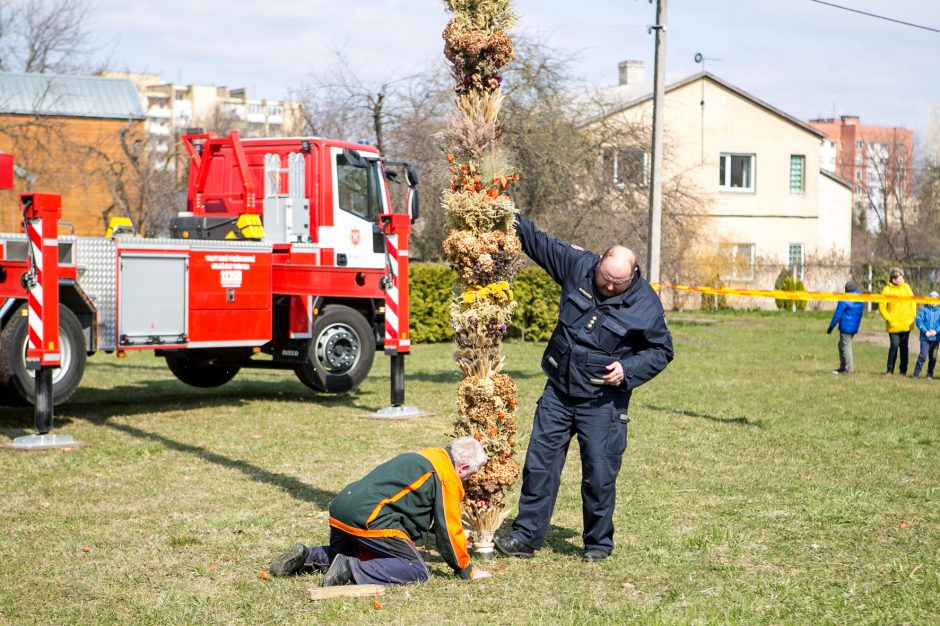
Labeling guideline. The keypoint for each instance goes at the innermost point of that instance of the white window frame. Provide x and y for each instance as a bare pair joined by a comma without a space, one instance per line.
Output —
734,251
613,153
724,184
801,263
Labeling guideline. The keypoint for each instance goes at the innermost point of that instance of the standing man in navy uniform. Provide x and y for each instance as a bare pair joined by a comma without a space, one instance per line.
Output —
611,337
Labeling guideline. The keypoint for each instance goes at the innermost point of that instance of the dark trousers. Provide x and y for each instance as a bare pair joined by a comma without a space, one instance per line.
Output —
897,348
927,348
373,560
600,425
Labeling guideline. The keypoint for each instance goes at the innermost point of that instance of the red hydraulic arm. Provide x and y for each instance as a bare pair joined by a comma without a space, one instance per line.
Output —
201,154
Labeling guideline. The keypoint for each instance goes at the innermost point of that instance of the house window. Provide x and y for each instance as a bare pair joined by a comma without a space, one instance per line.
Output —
796,260
738,260
797,163
736,172
627,166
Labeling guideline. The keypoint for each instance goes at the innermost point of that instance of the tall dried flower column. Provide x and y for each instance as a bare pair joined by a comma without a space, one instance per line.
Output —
483,249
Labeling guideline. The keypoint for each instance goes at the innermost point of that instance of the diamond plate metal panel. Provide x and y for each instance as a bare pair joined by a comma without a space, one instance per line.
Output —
97,276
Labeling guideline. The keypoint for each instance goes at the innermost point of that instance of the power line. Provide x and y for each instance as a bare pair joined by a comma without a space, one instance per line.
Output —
880,17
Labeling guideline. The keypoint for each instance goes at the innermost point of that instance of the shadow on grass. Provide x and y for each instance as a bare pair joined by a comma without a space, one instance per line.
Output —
736,421
97,406
289,484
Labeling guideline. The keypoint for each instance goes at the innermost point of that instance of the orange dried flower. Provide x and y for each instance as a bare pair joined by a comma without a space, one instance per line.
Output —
450,157
512,402
213,566
501,415
376,604
86,548
478,436
263,575
493,430
512,442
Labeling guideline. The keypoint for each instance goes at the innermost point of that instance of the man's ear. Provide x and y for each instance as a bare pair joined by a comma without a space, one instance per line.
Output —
463,470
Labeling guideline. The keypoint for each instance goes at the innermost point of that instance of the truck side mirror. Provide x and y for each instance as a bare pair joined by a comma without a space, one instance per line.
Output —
411,176
413,206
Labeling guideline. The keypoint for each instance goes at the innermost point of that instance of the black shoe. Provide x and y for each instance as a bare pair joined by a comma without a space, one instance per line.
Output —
511,546
291,562
594,555
340,572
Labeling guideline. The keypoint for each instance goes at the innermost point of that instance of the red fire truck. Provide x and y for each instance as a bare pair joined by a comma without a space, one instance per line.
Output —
288,256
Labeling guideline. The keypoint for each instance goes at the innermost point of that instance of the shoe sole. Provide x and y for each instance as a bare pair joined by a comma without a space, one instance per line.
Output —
290,562
340,573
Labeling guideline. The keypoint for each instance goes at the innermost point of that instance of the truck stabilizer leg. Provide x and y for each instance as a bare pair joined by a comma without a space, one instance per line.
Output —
40,218
398,410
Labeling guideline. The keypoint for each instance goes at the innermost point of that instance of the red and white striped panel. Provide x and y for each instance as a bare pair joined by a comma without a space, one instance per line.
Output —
34,299
391,295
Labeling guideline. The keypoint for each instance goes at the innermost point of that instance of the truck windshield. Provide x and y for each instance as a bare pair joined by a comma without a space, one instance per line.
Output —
359,185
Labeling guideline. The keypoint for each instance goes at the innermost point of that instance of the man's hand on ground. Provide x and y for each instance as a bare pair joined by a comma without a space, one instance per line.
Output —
479,573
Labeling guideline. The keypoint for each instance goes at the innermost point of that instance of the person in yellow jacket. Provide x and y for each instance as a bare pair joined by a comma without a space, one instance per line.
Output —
898,316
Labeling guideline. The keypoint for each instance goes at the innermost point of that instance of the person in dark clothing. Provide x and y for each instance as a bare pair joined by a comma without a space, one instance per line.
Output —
611,337
848,317
375,522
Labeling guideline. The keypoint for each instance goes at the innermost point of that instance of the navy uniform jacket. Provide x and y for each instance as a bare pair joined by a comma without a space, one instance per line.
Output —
592,331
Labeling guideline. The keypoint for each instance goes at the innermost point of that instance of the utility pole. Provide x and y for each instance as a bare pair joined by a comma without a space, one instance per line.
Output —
656,167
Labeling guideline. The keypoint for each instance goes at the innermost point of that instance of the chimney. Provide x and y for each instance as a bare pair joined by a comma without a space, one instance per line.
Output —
631,72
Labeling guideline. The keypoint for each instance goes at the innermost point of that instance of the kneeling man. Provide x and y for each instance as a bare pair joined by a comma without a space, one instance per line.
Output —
375,521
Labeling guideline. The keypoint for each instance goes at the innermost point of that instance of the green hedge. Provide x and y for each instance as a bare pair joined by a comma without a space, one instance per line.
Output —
431,287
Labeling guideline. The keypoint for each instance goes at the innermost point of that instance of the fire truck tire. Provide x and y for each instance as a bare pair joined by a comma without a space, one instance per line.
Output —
341,352
19,382
198,372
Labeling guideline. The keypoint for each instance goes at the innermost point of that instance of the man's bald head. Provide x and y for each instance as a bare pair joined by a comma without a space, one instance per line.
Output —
615,271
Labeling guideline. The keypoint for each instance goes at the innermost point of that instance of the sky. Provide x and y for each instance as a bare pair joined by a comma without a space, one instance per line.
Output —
805,58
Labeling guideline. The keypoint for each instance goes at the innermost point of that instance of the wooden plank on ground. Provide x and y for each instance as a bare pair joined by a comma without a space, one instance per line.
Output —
345,591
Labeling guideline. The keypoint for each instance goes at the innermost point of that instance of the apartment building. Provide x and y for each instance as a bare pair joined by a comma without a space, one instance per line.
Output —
173,109
877,160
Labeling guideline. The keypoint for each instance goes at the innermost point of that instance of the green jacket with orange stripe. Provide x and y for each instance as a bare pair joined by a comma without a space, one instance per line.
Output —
405,497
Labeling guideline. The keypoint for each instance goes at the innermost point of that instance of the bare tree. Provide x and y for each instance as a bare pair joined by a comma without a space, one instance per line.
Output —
888,207
45,36
140,181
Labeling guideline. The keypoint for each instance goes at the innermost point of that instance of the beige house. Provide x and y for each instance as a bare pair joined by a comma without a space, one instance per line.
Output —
757,170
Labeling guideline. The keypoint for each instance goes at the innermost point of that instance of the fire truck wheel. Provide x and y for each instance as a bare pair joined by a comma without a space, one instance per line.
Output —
341,351
198,371
19,381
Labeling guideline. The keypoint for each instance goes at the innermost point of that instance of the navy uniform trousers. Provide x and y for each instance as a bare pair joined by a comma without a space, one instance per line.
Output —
375,560
600,425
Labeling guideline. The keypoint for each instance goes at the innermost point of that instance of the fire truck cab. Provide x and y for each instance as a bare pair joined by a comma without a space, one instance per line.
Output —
288,256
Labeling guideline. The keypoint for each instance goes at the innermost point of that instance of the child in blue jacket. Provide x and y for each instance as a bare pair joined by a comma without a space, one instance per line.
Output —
847,317
928,322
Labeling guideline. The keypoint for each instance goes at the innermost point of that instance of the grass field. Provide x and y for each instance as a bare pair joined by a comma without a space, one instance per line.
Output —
757,488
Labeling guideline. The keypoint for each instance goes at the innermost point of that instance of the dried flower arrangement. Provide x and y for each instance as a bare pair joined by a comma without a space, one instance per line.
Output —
483,249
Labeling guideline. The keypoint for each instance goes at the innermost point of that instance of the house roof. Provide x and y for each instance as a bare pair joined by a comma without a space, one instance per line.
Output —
842,181
619,98
69,96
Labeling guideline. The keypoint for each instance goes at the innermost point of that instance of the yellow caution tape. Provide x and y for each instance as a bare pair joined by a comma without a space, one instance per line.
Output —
780,294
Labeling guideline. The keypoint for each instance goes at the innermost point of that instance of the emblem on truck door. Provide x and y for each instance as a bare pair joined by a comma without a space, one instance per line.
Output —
355,236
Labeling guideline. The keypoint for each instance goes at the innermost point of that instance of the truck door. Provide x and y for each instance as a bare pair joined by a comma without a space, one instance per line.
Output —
359,196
